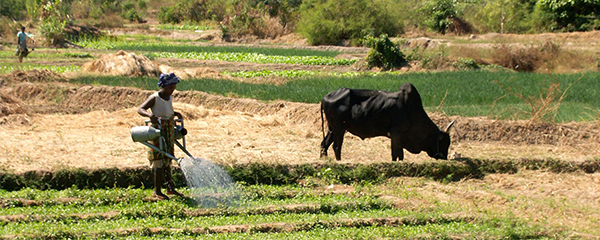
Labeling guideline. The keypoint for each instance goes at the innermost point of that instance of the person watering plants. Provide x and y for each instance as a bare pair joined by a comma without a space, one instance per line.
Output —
162,117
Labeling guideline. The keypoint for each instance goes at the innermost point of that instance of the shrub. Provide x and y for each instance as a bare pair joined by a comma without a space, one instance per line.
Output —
329,22
384,53
133,16
170,15
436,58
14,9
465,64
439,14
193,11
522,59
244,20
285,11
53,23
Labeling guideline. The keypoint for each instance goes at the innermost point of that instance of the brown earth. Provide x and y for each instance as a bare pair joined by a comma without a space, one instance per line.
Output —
48,123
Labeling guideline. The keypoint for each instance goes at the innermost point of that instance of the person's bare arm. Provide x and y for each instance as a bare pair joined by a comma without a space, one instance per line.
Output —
143,110
177,114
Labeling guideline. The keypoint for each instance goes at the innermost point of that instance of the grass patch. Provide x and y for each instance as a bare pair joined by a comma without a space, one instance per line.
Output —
466,93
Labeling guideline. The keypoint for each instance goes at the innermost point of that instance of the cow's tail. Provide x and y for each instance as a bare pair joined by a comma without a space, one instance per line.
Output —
322,121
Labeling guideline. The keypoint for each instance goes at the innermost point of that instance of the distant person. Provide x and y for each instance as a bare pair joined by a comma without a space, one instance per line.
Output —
22,50
162,117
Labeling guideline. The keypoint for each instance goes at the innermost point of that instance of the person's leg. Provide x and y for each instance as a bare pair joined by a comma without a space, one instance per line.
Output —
159,176
170,184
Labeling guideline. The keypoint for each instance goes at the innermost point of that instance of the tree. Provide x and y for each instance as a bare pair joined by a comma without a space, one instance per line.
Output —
507,16
571,15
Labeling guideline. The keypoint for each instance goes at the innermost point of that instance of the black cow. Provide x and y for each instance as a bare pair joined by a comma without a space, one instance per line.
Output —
397,115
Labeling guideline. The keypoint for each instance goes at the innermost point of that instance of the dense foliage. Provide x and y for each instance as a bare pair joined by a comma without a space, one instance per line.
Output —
320,21
330,22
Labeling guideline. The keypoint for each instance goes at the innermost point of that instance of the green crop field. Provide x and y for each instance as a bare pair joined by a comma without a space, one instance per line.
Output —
502,95
307,213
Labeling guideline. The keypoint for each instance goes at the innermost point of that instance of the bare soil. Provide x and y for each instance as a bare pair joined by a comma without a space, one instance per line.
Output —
48,123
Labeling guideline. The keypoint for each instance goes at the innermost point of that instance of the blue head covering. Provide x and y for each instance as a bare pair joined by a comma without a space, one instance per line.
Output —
167,79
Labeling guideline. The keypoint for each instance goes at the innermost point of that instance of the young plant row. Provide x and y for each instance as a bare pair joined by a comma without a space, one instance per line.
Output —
255,58
13,201
304,73
432,227
301,216
185,208
158,44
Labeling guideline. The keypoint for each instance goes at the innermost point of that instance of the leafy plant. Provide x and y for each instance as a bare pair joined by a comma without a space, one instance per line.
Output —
53,23
465,64
438,14
383,53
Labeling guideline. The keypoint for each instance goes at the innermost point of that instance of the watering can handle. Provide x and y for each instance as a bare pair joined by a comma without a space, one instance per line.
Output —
150,122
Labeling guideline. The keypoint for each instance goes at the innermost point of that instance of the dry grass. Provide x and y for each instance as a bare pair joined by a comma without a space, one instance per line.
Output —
543,107
567,202
129,64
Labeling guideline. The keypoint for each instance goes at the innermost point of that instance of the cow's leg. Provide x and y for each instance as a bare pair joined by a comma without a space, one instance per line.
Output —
397,152
327,141
338,139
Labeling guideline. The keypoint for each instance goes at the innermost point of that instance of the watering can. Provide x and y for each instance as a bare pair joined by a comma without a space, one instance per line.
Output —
143,134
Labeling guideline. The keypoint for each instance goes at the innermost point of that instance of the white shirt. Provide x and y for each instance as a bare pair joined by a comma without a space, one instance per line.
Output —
162,108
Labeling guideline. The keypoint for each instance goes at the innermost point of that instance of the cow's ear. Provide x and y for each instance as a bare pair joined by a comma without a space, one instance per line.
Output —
449,126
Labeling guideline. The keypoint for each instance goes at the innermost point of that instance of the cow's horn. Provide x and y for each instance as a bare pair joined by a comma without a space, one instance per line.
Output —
449,126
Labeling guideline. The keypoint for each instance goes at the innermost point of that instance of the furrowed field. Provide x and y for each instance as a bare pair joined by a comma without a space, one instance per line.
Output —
525,147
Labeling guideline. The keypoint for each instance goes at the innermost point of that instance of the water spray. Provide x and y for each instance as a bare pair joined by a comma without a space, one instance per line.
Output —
205,178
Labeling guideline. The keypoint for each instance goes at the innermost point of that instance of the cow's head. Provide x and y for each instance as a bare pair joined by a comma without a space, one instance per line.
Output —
439,149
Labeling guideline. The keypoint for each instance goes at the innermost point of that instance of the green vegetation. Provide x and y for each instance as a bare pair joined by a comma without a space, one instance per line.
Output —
384,53
256,58
27,66
466,93
331,22
306,174
182,27
307,212
321,22
157,44
439,14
